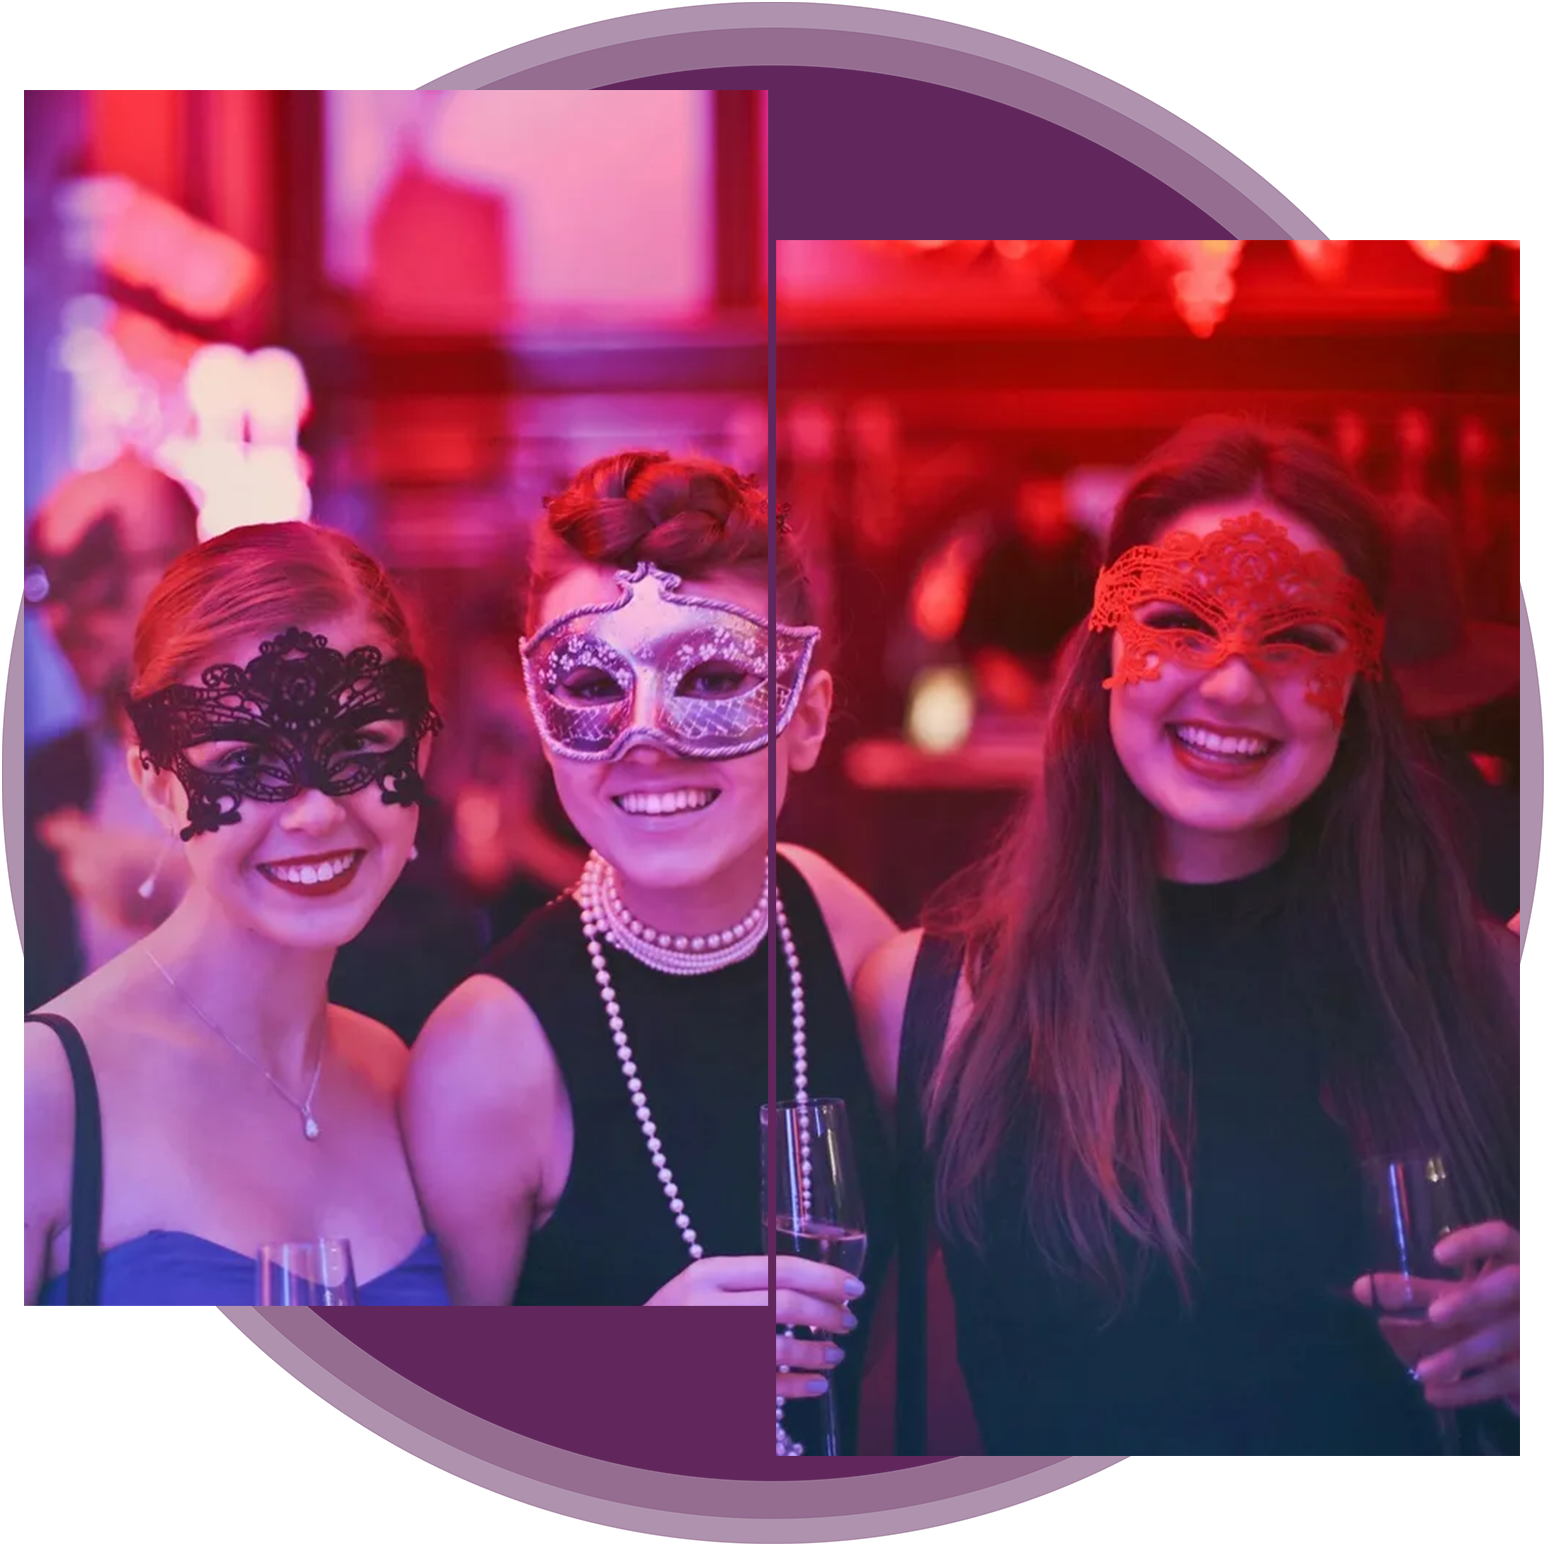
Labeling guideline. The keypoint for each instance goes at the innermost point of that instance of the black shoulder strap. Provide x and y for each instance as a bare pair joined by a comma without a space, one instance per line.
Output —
924,1020
85,1239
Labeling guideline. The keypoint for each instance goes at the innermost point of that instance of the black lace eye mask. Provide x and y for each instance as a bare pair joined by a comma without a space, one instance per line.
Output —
299,716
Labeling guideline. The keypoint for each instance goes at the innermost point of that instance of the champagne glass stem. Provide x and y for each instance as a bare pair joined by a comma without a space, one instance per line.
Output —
831,1429
832,1439
831,1435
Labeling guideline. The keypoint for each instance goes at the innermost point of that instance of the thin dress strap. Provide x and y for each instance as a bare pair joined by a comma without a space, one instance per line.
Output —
924,1020
85,1237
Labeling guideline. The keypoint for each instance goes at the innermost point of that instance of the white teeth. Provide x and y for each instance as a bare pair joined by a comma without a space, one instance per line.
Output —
1222,745
313,874
665,802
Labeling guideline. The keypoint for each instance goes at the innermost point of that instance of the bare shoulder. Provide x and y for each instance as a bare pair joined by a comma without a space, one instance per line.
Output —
880,989
880,1002
484,1043
483,1111
48,1088
107,1014
373,1047
880,998
859,925
100,1006
49,1127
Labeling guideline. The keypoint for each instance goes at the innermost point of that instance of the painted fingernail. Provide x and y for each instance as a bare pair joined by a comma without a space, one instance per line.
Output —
817,1386
853,1288
834,1355
850,1320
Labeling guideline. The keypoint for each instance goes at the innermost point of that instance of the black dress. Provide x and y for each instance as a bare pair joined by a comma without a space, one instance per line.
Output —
701,1046
1274,1356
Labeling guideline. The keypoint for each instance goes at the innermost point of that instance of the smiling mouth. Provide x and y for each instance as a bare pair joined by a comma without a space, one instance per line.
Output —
317,875
664,802
1239,751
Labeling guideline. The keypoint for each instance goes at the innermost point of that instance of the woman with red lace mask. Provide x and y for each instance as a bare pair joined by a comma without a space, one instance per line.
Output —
1228,959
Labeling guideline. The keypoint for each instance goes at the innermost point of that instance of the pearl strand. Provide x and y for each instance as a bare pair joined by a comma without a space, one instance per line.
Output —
782,1443
591,895
592,923
680,955
599,920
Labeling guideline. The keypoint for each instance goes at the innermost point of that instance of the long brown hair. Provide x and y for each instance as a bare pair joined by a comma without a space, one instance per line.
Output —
1070,1059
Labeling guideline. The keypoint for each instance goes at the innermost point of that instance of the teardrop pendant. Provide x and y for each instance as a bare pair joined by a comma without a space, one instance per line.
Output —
311,1129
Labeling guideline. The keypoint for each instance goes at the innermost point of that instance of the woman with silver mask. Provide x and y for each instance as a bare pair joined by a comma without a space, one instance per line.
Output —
582,1114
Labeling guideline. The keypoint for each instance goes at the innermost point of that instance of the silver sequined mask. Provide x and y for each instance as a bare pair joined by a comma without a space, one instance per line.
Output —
656,668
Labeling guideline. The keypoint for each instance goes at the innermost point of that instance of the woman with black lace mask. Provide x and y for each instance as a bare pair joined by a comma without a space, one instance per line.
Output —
282,728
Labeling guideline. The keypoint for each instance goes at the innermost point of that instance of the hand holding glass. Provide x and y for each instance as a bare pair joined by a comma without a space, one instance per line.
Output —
1410,1205
817,1205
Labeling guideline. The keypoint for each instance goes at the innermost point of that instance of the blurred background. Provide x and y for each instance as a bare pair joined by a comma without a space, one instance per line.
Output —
407,315
957,418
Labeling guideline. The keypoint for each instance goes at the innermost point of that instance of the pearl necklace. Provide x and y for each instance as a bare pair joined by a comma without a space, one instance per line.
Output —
680,955
603,917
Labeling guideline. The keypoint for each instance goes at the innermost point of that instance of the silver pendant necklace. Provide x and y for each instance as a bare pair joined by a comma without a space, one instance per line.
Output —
308,1121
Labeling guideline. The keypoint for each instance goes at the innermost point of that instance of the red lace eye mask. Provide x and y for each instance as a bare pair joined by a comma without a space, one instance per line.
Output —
1244,589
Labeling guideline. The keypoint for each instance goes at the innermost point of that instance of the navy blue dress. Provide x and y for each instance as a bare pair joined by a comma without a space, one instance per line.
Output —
200,1440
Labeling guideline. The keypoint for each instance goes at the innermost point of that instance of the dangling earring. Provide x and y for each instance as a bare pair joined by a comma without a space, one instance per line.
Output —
413,853
147,887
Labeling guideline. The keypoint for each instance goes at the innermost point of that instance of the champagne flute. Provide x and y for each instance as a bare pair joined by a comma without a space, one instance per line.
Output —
1410,1205
306,1272
816,1202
